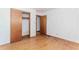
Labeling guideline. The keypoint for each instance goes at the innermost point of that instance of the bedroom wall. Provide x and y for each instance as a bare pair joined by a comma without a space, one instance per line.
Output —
4,25
40,12
63,23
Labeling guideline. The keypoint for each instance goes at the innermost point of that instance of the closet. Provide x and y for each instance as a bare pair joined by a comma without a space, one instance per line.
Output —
18,18
25,24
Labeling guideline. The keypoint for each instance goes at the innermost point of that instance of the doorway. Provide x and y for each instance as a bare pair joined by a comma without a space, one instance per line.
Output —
20,24
40,25
25,24
37,24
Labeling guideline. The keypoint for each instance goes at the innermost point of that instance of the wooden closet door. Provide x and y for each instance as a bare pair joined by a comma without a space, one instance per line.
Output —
16,25
43,24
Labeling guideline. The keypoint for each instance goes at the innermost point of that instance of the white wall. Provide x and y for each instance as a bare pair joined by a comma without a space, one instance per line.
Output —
33,23
25,27
41,13
63,23
4,25
38,23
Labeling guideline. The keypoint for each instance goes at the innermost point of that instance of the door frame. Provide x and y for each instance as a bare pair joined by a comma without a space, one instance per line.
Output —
36,22
29,21
21,22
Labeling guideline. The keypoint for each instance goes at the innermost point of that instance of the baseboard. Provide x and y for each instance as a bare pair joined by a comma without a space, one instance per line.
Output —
61,37
25,36
37,31
32,36
5,43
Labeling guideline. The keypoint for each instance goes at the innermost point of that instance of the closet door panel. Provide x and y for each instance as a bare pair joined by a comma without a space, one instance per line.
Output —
16,25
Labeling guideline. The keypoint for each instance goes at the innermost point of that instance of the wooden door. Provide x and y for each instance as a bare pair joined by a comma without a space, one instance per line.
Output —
16,25
43,24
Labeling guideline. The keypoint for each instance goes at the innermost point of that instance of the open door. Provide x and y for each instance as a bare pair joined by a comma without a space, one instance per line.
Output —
16,25
43,24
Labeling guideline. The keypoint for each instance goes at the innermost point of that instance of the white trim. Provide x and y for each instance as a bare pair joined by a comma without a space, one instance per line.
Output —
5,43
65,38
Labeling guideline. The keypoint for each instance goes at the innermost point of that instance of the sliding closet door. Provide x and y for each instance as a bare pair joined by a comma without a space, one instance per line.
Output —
43,24
16,25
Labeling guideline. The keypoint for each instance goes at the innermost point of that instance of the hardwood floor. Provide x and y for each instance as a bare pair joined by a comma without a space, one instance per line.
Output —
41,42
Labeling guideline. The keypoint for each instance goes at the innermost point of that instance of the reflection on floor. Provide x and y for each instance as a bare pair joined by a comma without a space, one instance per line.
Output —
41,42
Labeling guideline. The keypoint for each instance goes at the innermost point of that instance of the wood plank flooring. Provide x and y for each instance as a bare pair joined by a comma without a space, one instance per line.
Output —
41,42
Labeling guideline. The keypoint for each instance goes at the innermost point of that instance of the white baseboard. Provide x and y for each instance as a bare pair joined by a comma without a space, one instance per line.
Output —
65,38
4,43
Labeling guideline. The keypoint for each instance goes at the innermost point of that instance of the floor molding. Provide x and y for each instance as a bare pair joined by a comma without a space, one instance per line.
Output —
25,36
61,37
5,43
